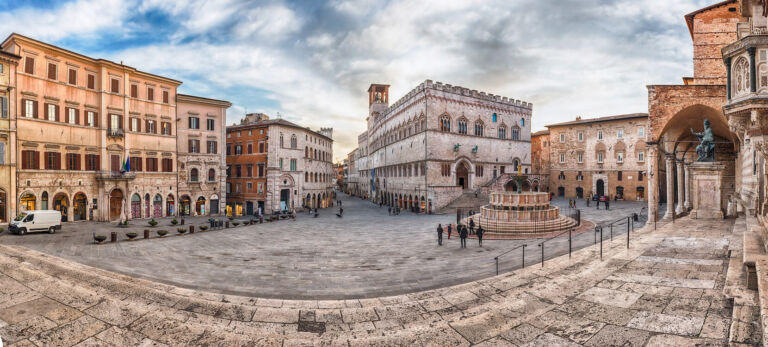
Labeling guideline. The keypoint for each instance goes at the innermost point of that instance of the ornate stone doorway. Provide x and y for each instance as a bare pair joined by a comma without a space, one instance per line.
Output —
462,175
115,204
600,187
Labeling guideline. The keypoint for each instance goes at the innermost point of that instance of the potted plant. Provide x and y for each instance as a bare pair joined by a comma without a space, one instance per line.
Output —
235,223
131,235
174,221
162,233
181,231
100,238
203,228
123,224
152,222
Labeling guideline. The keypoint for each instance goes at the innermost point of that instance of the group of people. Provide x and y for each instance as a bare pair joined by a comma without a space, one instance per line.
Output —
393,211
463,231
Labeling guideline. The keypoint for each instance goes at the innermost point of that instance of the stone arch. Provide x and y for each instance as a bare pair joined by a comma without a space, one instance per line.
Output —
79,206
157,206
463,169
135,206
27,201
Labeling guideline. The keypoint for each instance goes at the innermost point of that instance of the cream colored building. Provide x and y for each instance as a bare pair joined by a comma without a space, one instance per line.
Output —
78,119
201,124
8,65
439,142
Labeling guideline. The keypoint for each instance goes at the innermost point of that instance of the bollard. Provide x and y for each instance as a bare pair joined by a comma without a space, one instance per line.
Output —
542,253
611,231
226,224
146,233
596,227
113,237
601,244
628,228
497,265
182,221
569,242
524,245
191,229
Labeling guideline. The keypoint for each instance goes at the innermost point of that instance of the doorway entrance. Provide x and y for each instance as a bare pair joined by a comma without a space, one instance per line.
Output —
600,187
60,204
184,209
249,208
560,191
462,175
170,207
285,196
200,206
79,207
579,192
115,204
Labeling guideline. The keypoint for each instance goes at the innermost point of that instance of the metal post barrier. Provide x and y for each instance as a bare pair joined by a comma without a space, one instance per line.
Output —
601,243
524,245
569,242
596,234
497,265
542,253
611,231
628,228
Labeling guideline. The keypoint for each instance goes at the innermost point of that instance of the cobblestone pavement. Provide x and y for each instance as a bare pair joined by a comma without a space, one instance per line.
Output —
667,289
367,253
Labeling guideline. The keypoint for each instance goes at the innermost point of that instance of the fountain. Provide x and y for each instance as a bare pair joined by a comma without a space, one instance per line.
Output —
526,213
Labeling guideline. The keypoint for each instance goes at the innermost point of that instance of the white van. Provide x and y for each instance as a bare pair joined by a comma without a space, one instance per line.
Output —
41,220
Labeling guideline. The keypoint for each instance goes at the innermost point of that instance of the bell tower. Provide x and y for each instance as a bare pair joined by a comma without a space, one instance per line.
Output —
378,101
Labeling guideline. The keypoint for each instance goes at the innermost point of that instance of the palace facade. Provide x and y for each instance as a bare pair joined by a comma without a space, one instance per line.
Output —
276,165
8,65
437,143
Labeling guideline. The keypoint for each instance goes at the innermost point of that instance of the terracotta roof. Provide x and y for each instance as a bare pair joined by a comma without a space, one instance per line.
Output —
689,17
9,54
600,119
541,132
188,97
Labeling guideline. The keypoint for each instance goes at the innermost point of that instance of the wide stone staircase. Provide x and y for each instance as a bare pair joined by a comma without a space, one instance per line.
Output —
467,201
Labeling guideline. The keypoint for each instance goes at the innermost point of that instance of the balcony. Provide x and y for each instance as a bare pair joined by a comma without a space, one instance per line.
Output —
115,175
115,133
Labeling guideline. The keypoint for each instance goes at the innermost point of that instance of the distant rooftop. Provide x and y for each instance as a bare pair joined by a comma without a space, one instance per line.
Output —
579,120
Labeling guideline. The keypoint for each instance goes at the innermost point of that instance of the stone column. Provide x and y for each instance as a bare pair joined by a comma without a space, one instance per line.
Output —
752,70
687,171
728,78
681,188
670,187
653,183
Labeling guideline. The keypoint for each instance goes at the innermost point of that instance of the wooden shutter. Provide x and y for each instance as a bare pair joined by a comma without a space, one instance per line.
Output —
77,117
79,162
165,96
34,109
115,86
47,161
72,77
151,94
36,162
58,161
215,147
154,128
119,121
23,108
52,71
96,119
91,82
189,148
29,65
97,164
134,91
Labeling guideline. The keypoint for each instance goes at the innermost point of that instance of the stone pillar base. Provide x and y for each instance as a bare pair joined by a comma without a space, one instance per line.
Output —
706,189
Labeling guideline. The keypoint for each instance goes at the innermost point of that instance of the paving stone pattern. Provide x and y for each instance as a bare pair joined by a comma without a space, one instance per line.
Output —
367,253
667,289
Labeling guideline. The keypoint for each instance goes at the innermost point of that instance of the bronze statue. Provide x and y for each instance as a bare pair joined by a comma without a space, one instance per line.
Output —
705,149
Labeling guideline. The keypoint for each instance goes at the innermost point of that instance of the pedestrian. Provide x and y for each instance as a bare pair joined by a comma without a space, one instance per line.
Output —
607,204
480,232
293,214
450,226
439,235
463,235
598,203
471,226
389,210
587,201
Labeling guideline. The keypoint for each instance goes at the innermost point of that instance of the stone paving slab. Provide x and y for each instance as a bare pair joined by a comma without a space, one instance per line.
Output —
569,302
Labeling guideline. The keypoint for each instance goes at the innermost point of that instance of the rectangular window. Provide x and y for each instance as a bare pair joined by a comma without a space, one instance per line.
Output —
599,157
562,157
249,170
229,188
212,147
115,121
620,157
150,94
249,148
134,90
52,161
73,77
238,149
72,116
3,107
91,81
229,149
136,164
261,147
194,123
30,160
152,164
29,65
115,86
167,165
562,175
501,169
261,170
52,73
619,175
581,136
580,158
599,134
238,171
249,186
52,114
165,96
261,187
92,162
479,171
73,161
562,138
135,124
640,156
620,133
166,128
211,124
641,131
91,118
30,109
151,127
293,164
194,146
639,175
281,163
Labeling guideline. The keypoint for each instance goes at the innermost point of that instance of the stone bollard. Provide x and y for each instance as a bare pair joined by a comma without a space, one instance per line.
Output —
226,224
191,229
146,233
113,237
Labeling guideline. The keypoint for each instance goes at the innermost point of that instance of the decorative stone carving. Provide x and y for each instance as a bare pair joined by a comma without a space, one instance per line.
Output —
738,124
707,189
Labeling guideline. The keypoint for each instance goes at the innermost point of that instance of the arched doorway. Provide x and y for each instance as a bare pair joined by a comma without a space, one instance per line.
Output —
115,204
157,206
560,191
185,204
526,186
79,207
536,186
580,192
135,206
462,175
510,186
307,200
3,207
61,204
285,199
27,202
600,187
214,202
170,205
200,206
44,201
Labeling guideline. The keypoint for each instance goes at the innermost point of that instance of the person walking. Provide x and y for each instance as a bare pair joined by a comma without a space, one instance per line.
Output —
450,226
471,226
587,201
598,203
480,232
439,235
607,204
389,211
463,235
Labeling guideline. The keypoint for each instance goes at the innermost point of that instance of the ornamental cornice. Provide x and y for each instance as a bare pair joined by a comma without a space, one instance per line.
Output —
738,124
740,46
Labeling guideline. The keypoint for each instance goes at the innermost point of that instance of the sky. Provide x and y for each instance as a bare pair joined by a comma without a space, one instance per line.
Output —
312,61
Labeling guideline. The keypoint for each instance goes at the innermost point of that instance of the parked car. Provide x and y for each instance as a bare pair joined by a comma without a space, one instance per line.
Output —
603,198
40,220
595,197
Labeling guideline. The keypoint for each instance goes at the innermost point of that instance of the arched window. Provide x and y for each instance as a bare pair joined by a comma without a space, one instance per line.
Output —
281,139
293,141
515,165
741,76
445,124
522,122
306,177
515,133
211,175
193,175
479,128
493,118
463,126
502,131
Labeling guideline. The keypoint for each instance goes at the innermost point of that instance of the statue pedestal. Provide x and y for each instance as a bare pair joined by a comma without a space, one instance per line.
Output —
707,190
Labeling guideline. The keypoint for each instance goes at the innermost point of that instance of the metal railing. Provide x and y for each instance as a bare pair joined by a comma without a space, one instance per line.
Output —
606,230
